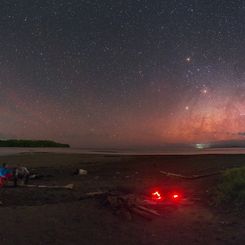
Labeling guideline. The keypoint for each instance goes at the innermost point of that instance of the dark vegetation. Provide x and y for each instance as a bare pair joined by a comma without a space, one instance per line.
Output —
231,189
30,143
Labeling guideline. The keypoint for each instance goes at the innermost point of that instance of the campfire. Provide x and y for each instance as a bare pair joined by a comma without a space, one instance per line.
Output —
132,204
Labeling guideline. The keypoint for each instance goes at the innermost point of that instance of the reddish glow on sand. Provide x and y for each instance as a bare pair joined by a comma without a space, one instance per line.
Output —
156,195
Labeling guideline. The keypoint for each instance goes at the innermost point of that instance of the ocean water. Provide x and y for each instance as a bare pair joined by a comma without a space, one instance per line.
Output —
169,151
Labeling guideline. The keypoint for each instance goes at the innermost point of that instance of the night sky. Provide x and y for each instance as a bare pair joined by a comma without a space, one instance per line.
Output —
119,73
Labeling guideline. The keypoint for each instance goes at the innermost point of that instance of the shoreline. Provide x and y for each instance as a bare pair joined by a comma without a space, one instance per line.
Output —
8,151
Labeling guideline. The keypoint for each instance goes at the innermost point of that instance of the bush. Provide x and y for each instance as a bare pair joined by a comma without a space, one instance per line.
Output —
231,189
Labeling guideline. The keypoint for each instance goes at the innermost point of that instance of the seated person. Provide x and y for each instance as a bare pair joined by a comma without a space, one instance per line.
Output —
6,173
21,173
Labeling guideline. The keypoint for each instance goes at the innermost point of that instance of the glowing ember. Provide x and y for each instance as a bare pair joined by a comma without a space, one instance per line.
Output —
156,195
175,197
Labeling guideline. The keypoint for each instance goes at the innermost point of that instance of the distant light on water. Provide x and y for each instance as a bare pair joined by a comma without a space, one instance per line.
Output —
201,146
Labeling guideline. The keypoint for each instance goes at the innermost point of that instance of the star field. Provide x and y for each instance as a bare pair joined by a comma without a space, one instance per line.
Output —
122,73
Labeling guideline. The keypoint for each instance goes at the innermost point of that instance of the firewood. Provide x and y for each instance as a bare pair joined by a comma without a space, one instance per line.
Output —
148,210
127,200
141,213
114,202
125,205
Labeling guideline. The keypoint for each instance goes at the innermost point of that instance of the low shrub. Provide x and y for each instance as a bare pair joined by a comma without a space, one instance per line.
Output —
231,189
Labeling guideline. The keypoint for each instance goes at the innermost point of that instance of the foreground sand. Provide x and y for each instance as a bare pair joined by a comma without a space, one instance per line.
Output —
37,216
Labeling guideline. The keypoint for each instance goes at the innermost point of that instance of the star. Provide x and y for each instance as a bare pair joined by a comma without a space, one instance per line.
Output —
204,91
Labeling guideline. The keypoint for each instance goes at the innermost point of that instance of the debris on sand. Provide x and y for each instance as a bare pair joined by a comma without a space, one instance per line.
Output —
81,172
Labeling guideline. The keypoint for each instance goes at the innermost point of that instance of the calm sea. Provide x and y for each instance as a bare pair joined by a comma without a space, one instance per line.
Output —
188,151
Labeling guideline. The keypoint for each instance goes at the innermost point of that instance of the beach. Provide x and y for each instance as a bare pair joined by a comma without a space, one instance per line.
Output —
50,216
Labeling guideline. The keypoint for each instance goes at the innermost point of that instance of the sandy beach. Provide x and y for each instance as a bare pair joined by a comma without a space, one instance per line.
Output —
46,216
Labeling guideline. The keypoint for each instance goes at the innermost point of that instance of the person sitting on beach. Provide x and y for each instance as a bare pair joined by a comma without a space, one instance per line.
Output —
6,174
21,173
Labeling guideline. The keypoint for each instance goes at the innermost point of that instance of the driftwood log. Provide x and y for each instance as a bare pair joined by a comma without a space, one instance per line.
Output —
190,177
68,187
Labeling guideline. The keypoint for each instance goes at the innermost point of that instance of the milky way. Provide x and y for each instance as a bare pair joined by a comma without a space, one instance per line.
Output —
122,73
